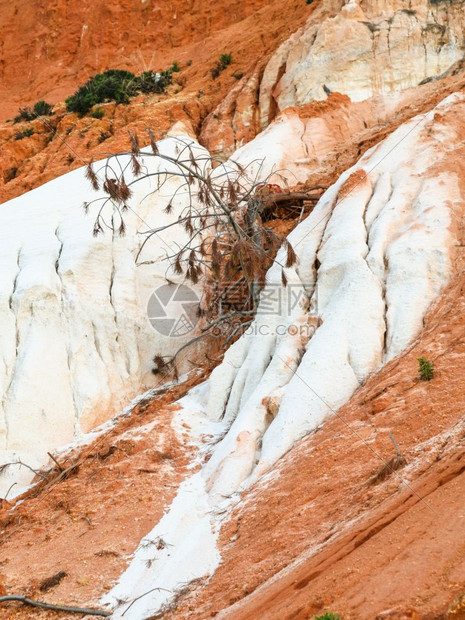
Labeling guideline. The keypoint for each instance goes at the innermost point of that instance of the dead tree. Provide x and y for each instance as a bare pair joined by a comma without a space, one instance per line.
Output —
228,247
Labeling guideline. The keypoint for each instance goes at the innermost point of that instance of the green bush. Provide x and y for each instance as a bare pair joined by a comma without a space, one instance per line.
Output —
118,85
42,108
329,615
27,133
426,369
97,113
112,85
224,61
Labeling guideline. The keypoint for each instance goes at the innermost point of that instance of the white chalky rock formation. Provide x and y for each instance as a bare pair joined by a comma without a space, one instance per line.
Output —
363,48
75,341
368,51
372,257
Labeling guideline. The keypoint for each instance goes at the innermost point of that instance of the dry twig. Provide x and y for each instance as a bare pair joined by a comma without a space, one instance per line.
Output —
72,610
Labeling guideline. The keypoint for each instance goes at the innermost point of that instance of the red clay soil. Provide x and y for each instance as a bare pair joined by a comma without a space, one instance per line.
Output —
49,47
47,53
89,524
319,534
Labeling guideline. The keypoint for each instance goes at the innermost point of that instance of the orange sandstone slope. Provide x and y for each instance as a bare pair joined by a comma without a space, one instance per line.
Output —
50,48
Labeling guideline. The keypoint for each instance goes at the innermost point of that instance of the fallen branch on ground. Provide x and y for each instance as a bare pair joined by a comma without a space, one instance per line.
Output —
72,610
391,466
289,197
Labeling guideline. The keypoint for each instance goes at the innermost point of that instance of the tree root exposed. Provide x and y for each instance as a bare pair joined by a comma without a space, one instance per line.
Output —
73,610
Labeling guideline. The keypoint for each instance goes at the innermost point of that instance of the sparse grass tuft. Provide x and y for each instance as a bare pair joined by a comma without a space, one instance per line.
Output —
224,61
27,133
41,108
426,369
97,113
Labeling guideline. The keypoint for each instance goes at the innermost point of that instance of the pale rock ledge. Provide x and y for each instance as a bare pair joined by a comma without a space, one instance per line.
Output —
359,48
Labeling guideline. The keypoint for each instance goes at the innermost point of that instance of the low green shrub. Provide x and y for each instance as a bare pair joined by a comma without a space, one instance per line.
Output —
426,369
224,61
111,85
41,108
119,86
329,615
26,133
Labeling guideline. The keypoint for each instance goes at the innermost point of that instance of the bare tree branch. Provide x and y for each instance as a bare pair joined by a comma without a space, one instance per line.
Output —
72,610
220,208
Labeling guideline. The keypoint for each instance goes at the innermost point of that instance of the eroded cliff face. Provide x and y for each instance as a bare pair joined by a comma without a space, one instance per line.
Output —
359,49
366,98
74,307
372,257
318,535
366,49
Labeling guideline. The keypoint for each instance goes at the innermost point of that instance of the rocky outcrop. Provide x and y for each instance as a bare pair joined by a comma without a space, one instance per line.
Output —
365,49
235,121
360,49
